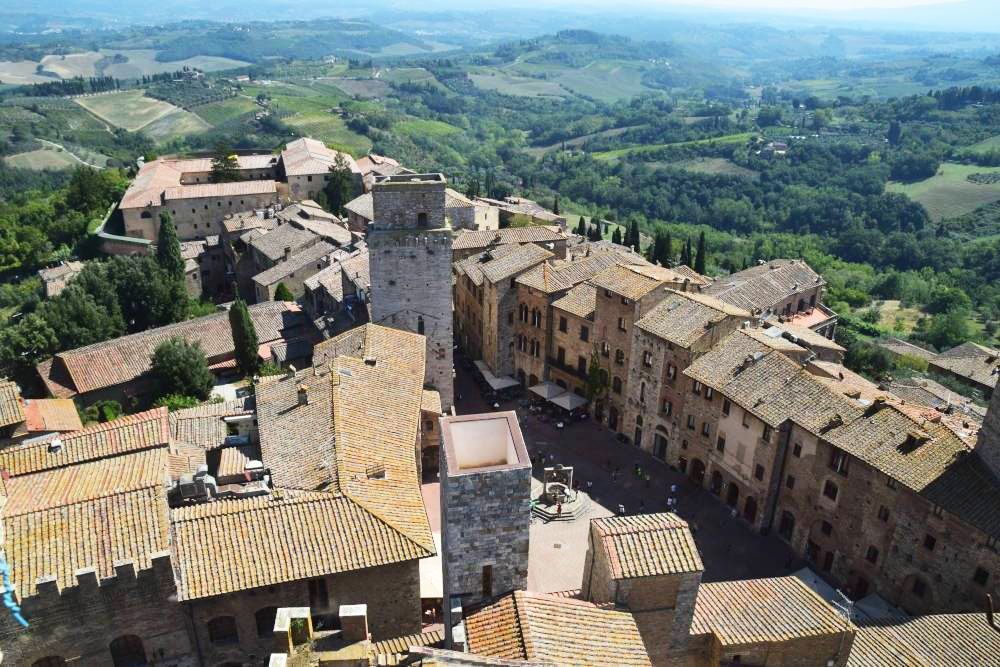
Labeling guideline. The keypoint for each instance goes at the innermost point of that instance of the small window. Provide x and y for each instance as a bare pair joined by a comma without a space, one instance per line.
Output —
671,372
746,418
872,555
487,581
720,444
616,385
758,472
890,482
705,429
222,631
608,293
830,490
690,422
563,324
883,513
309,178
621,324
264,619
790,482
667,408
938,511
838,461
981,576
584,334
797,450
605,350
696,388
766,435
619,357
709,392
929,542
726,406
625,301
647,359
826,528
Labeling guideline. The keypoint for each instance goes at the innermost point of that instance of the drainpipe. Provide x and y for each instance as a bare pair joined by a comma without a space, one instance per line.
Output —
194,633
780,457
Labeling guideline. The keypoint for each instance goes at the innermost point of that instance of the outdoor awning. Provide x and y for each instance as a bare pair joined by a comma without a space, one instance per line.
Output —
547,390
569,401
496,383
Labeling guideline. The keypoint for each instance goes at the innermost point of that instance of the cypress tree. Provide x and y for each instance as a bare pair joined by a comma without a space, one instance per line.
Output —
168,248
244,338
685,259
633,235
667,258
699,260
282,293
616,236
581,227
555,205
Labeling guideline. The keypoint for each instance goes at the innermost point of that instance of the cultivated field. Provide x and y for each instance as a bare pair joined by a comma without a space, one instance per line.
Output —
143,61
510,84
949,193
21,72
43,158
72,64
411,75
715,166
608,81
216,113
330,129
130,110
425,128
176,123
363,88
633,151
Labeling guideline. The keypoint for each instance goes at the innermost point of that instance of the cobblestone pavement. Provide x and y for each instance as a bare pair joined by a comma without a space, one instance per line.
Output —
556,558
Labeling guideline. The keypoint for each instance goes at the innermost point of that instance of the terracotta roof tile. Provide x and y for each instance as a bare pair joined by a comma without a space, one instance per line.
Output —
555,630
305,156
316,254
632,282
755,611
975,362
51,414
133,433
565,275
762,287
939,640
289,535
124,359
580,301
11,408
233,189
204,425
468,239
647,545
683,317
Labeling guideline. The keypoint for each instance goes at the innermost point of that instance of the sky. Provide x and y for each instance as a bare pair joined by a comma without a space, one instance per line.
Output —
822,5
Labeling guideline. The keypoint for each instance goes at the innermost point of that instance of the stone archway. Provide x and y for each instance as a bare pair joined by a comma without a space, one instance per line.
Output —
698,472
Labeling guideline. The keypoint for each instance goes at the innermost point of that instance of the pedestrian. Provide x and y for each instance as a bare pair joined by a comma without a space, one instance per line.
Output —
733,513
647,480
590,485
673,488
638,471
621,509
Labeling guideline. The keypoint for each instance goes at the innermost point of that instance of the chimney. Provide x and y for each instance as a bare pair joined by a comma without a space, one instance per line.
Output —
303,394
989,612
288,252
354,622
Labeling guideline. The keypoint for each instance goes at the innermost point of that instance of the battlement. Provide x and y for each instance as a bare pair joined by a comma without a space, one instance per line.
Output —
403,180
88,582
409,238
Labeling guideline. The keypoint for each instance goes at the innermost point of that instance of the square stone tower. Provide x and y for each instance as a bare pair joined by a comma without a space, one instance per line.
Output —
988,445
485,509
409,245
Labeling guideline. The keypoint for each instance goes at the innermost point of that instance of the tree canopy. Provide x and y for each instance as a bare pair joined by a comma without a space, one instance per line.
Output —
180,368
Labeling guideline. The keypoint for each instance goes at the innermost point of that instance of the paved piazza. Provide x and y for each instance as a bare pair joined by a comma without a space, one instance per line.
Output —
729,549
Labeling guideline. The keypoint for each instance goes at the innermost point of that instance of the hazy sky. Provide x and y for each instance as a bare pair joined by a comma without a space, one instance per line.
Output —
824,5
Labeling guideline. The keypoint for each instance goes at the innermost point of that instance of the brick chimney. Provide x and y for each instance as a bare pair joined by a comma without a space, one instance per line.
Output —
303,392
988,446
354,622
288,252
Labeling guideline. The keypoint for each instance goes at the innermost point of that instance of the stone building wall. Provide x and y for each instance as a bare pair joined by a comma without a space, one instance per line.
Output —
797,652
575,346
468,317
194,218
410,266
870,511
485,520
392,593
80,622
526,365
988,447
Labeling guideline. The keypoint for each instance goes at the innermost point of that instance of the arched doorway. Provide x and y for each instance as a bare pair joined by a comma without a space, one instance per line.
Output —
613,419
750,509
127,651
533,380
697,472
732,495
716,484
660,443
786,527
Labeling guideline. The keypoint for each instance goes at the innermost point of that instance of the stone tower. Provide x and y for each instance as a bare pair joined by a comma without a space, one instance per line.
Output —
485,509
988,446
409,244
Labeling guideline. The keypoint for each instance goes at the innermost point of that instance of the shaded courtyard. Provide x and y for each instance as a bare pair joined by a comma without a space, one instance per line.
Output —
556,559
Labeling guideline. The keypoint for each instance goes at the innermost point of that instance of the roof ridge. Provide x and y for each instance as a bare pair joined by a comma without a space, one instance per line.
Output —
526,639
118,492
430,550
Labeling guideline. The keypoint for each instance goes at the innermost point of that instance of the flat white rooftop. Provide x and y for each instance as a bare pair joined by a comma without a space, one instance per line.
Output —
483,441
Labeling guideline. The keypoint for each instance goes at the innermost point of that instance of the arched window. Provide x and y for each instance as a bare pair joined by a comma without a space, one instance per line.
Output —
127,651
49,661
619,356
642,395
265,621
222,630
421,219
420,324
616,385
145,215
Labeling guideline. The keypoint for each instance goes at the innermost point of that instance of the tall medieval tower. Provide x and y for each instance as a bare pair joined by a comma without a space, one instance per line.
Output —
988,446
409,244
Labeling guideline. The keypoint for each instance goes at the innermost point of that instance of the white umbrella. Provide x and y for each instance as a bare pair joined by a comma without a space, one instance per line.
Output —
547,390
